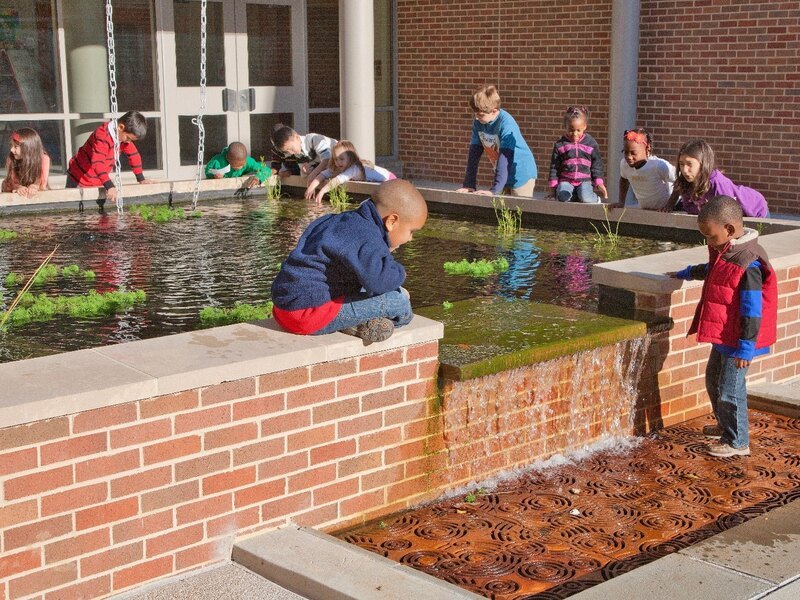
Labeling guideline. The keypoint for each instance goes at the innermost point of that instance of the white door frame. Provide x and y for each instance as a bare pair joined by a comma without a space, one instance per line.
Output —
185,101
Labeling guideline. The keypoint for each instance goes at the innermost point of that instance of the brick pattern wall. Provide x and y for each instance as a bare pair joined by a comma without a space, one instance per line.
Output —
103,500
540,62
513,418
726,72
722,70
672,389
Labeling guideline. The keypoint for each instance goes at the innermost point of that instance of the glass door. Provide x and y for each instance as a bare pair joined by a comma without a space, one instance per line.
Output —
255,75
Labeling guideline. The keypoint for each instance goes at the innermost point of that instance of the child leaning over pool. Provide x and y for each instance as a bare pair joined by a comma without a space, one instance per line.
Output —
496,133
234,161
640,170
737,314
342,277
94,161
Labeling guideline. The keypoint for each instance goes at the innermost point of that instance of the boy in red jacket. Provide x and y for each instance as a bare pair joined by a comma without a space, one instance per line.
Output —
737,313
92,164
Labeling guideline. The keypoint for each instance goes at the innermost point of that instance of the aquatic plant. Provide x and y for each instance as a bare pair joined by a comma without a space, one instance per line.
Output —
509,221
610,233
446,305
42,307
14,279
339,198
476,268
214,316
49,272
7,235
161,213
272,183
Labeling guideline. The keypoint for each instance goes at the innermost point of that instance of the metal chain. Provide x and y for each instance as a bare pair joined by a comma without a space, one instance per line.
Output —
112,85
198,120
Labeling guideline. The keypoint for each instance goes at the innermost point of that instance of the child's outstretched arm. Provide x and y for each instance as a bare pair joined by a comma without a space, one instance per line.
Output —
471,174
311,188
597,171
691,272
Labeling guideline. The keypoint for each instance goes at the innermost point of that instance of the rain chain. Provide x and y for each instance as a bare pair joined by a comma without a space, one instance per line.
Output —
198,120
112,85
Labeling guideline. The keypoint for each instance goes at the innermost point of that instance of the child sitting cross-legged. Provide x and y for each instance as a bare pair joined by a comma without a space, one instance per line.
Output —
234,161
737,314
345,165
342,276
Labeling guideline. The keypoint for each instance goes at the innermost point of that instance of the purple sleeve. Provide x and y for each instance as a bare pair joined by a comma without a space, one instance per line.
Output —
501,169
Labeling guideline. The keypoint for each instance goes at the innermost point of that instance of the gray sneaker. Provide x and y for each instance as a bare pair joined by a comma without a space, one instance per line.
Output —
374,330
725,450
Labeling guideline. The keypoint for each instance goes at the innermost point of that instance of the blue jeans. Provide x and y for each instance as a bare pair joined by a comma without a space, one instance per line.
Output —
394,305
565,192
728,394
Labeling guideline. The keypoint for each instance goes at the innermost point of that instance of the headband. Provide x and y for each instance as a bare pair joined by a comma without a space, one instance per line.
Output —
15,137
635,136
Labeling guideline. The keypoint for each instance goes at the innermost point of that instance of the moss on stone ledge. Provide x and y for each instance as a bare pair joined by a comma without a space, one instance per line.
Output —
488,335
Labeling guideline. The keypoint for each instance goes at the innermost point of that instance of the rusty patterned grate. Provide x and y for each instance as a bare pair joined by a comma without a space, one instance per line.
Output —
520,541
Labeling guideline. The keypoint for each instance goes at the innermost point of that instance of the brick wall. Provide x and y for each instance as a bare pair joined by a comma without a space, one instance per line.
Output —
513,418
540,62
726,72
672,389
107,499
723,70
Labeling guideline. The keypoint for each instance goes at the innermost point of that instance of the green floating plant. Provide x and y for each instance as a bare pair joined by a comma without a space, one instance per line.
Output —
7,235
94,304
339,198
476,268
161,213
48,273
214,316
447,305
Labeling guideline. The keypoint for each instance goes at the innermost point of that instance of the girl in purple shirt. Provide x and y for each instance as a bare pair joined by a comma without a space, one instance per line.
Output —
698,181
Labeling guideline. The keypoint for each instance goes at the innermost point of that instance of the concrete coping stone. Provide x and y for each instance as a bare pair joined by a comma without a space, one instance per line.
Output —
72,382
745,561
319,566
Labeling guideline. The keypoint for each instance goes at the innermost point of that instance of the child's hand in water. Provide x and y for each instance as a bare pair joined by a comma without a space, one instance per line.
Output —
111,195
318,197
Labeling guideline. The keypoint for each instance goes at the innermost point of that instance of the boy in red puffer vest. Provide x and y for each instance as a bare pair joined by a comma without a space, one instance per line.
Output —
737,314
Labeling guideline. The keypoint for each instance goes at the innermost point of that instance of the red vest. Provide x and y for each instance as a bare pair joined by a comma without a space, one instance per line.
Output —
716,319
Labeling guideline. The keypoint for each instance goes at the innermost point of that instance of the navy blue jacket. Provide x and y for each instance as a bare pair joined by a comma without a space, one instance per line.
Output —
338,256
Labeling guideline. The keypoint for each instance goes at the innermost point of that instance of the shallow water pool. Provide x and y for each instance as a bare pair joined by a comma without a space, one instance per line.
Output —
232,253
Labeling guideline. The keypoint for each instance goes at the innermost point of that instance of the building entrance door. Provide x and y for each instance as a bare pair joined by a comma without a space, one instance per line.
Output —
255,76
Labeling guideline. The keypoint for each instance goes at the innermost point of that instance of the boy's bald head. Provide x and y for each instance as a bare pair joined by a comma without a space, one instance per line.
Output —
237,152
400,197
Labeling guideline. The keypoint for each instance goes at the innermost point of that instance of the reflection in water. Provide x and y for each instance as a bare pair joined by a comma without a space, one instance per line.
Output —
233,253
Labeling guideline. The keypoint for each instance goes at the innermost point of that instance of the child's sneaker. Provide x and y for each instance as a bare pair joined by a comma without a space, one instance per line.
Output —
712,431
374,330
728,450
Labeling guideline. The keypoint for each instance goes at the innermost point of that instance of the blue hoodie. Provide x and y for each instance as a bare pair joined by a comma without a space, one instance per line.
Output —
338,256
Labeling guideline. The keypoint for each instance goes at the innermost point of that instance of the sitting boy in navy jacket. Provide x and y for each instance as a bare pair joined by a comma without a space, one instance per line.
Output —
342,276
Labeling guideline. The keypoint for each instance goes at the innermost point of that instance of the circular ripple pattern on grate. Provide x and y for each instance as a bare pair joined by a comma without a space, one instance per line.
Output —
427,559
485,563
546,570
395,545
546,503
499,587
525,549
441,530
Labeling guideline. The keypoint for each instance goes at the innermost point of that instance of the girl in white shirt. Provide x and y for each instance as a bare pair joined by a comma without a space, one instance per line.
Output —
650,177
345,165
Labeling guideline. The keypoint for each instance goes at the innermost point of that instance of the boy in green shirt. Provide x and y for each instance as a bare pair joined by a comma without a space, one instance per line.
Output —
234,161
